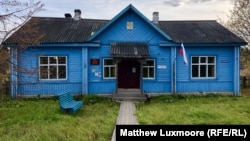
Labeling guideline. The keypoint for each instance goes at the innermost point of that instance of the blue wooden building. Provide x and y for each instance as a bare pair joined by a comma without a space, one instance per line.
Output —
94,56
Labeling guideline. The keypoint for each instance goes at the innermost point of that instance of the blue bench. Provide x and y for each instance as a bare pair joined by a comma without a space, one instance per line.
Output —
68,104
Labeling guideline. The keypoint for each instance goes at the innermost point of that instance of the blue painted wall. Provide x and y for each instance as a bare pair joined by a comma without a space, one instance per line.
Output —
141,32
29,83
162,81
224,80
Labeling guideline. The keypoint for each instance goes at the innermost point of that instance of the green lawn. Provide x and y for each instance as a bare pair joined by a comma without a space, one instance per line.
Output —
210,109
40,119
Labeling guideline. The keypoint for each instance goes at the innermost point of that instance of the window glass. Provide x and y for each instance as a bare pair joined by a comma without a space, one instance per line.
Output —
109,69
61,60
44,72
43,60
53,60
149,69
53,67
203,59
195,60
203,67
203,70
62,72
52,72
195,70
211,71
211,59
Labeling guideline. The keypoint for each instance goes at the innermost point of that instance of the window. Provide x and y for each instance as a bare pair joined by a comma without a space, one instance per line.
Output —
149,69
52,67
203,66
109,68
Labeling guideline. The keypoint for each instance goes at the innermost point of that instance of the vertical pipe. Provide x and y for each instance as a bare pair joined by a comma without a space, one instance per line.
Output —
85,70
173,58
236,71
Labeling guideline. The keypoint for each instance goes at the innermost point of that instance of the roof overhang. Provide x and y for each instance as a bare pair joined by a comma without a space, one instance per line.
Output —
129,50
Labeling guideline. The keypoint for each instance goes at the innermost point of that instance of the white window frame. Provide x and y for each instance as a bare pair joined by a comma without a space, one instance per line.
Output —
148,69
109,66
57,65
202,64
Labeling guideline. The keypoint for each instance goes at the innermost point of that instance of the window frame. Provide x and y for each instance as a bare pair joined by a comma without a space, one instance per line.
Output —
57,65
207,64
109,66
148,78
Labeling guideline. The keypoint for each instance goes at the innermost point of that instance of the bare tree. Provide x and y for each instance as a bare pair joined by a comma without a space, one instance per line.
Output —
239,20
239,23
14,15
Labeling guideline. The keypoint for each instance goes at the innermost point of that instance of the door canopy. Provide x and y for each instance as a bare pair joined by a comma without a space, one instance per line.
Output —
129,50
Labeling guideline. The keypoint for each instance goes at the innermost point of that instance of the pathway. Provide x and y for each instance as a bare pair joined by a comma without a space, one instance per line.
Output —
126,115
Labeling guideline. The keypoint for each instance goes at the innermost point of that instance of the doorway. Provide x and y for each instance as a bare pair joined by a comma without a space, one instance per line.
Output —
129,74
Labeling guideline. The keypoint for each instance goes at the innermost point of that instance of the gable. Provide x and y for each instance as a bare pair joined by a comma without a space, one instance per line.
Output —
129,25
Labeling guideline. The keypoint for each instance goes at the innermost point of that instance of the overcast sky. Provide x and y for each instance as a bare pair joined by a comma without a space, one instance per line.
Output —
168,9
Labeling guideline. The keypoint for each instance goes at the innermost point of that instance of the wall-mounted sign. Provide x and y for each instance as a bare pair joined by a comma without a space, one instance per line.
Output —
162,67
130,25
224,61
94,61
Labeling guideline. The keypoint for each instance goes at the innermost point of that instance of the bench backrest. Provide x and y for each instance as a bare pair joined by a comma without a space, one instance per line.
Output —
65,98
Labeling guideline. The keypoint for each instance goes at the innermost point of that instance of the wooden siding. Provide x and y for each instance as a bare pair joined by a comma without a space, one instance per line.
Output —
224,80
160,87
162,81
49,88
204,86
141,32
29,82
103,87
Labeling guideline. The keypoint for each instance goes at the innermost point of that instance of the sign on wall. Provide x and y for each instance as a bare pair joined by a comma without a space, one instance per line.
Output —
94,61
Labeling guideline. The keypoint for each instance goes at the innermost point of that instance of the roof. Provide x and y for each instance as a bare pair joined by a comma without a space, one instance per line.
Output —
207,31
129,50
67,30
64,30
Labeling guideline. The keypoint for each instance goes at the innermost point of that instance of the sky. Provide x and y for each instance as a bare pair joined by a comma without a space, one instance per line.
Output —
168,9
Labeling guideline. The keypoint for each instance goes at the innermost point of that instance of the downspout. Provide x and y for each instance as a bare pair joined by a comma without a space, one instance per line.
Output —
236,71
173,70
13,73
85,70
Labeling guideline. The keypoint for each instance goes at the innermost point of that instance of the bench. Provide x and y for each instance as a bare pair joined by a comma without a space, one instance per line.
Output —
68,104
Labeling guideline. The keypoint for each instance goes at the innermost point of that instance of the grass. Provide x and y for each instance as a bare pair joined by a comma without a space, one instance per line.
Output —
40,119
189,109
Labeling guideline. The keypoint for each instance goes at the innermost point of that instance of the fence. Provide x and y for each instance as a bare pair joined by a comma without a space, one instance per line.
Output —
5,88
244,81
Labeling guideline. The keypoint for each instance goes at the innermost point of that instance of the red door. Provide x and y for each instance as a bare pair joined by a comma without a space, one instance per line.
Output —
129,74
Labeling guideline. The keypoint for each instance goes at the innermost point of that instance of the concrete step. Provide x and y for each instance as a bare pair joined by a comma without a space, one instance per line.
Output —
129,95
129,99
128,91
